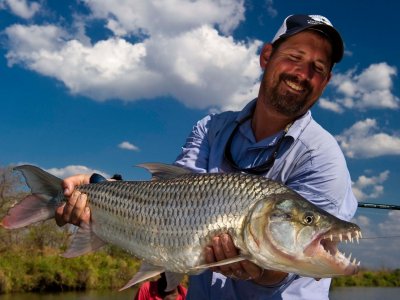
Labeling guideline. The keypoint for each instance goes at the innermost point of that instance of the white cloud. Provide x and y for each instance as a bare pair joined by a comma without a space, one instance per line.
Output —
333,106
200,68
128,146
73,170
369,187
363,140
372,88
270,8
155,17
22,8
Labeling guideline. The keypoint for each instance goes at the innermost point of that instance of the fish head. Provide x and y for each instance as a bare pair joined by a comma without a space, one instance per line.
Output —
287,232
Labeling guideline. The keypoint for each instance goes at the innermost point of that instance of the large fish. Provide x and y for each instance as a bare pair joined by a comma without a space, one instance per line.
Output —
168,221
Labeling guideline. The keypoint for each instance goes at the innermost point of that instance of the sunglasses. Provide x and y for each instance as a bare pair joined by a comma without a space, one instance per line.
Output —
256,170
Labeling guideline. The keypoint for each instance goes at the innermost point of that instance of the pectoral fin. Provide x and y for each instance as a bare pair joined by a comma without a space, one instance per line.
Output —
145,272
220,263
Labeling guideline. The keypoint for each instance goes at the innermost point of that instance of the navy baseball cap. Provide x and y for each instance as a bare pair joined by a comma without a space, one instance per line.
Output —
296,23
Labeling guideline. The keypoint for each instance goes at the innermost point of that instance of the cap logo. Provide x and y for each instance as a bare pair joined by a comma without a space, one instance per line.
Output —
317,19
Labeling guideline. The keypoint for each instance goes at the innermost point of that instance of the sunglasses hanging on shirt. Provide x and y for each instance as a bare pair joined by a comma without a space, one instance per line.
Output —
256,170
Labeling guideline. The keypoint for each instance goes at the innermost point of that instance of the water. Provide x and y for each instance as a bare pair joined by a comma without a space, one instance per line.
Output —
364,293
353,293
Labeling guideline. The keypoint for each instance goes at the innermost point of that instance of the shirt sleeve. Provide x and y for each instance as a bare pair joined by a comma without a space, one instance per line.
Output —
195,151
143,292
321,176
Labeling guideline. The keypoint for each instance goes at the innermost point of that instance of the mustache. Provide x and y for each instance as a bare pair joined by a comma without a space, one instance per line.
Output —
305,84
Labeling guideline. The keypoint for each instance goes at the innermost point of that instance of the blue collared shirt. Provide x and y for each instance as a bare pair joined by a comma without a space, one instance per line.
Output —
309,161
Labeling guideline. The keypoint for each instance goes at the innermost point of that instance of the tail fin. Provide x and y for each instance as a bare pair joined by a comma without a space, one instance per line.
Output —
46,194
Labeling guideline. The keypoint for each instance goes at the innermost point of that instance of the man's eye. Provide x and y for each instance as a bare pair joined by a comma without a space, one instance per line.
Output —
320,69
294,57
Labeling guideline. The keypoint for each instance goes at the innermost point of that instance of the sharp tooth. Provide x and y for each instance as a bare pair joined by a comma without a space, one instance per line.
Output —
340,237
359,233
349,258
331,237
357,239
349,237
358,264
354,261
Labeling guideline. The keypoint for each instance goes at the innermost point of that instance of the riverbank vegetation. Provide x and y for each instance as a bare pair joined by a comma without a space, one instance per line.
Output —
30,258
370,278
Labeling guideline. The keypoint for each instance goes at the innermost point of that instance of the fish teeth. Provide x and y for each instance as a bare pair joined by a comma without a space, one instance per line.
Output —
349,237
331,237
349,258
359,233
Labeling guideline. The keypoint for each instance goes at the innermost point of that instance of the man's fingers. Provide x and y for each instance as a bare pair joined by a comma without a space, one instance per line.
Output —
251,269
228,246
69,206
78,209
59,215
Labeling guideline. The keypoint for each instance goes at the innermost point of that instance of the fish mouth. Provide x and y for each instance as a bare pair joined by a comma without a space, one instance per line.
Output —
324,246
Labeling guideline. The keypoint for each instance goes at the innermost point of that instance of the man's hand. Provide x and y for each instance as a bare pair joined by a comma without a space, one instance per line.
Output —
223,248
74,210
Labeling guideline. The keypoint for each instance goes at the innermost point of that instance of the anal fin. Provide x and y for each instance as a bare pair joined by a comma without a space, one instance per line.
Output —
145,272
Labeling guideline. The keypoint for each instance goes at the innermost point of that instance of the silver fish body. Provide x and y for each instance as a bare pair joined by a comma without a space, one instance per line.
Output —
169,222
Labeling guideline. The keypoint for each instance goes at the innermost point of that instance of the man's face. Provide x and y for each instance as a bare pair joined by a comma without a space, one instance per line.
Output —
296,73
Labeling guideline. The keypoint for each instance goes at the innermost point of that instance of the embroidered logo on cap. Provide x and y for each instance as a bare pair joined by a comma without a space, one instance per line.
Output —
317,19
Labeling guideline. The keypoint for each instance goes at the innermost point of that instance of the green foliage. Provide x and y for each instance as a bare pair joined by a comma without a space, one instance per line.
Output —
46,270
382,278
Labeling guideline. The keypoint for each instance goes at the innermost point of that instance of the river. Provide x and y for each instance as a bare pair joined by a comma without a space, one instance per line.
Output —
353,293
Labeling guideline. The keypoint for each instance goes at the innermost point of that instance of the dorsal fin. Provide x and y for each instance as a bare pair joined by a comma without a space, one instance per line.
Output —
164,171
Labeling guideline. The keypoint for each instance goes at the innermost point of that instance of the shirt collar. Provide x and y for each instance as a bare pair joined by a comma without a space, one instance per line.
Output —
294,131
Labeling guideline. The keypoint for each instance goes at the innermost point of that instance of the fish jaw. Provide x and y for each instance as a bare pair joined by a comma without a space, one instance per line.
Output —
324,254
285,244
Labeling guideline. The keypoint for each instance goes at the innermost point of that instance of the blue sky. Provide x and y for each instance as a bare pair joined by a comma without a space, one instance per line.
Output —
104,85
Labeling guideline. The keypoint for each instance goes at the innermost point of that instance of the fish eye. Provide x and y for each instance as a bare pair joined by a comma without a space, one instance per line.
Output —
308,219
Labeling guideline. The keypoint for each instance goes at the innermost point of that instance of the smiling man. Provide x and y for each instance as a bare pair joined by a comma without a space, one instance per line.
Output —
276,137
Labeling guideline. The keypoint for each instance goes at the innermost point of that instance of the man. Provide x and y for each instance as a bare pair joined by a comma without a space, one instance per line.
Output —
273,136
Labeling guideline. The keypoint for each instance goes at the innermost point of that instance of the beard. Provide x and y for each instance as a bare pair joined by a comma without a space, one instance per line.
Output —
288,103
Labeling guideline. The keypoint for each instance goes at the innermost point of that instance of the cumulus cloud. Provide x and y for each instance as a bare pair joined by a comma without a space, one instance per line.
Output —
370,187
363,140
371,88
73,170
154,17
128,146
21,8
184,54
270,8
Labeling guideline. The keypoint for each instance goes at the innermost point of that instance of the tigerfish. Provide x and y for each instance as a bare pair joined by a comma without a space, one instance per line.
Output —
168,221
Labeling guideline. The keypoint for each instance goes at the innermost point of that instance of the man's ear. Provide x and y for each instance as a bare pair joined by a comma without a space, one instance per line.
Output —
265,55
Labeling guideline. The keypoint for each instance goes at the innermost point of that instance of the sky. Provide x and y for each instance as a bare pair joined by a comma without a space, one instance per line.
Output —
101,86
